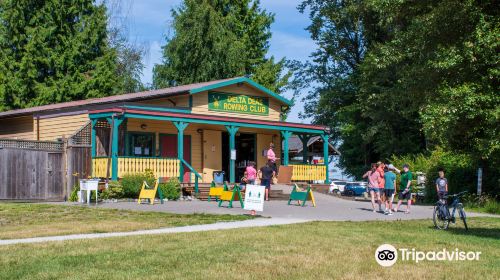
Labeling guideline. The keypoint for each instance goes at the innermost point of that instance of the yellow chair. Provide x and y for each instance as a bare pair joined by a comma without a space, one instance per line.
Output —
150,193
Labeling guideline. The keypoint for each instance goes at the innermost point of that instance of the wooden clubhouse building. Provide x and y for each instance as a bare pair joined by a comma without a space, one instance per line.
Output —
188,131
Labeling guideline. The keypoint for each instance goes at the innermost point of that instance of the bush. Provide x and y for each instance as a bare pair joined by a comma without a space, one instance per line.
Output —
73,197
484,202
114,191
132,183
460,170
172,189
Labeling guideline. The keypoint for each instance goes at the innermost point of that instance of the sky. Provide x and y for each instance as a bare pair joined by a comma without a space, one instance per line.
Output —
149,21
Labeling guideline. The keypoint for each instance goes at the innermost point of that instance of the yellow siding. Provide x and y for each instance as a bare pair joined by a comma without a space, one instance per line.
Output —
17,128
200,103
212,149
165,127
56,127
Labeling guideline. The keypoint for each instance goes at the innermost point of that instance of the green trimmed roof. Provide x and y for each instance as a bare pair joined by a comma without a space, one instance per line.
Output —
241,80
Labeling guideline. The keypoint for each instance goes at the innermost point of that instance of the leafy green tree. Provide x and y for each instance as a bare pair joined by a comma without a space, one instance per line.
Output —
216,39
405,77
54,51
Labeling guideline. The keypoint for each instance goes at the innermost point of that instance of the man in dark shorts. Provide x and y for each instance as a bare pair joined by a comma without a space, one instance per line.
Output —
405,188
266,174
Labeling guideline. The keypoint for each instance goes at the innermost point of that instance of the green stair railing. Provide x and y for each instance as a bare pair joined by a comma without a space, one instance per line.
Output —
196,177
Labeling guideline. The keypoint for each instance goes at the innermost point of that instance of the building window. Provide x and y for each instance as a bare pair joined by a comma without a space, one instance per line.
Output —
142,144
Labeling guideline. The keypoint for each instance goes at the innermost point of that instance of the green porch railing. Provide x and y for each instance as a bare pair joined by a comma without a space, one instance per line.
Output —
197,175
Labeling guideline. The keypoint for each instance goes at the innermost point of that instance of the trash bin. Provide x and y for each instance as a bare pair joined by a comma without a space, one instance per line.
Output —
219,177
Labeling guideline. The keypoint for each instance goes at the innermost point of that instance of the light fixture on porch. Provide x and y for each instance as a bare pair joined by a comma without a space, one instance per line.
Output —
144,126
199,130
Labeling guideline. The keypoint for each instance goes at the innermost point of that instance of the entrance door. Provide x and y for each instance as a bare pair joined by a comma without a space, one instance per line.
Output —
212,154
168,148
263,141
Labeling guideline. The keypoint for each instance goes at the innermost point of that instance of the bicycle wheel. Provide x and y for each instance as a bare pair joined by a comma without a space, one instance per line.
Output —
461,212
440,222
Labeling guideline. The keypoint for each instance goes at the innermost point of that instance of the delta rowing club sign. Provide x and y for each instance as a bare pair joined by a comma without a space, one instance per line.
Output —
238,103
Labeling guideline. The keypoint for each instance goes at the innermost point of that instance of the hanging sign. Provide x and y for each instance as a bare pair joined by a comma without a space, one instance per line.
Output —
254,198
238,103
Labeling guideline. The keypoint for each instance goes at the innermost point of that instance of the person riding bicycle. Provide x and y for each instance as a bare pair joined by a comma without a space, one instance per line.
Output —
441,185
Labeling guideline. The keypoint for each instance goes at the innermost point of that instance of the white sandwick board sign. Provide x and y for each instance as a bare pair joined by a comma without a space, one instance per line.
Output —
254,198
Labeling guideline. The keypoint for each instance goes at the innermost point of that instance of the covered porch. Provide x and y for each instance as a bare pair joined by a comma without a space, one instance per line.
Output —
172,142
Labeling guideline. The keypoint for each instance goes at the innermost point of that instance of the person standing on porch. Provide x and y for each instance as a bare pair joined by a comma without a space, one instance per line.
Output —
271,157
266,174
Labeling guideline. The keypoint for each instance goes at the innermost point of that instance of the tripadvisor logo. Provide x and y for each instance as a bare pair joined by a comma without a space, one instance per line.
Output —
387,255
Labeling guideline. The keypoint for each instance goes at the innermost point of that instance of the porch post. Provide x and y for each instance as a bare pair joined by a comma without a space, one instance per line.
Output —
232,133
115,125
286,135
325,157
181,126
93,137
304,138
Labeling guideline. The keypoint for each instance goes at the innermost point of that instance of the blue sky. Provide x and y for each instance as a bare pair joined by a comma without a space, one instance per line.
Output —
149,21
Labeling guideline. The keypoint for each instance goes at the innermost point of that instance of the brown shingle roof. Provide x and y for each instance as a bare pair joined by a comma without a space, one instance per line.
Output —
114,98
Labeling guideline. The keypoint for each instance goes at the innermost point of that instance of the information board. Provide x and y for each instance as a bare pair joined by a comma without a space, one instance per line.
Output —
254,198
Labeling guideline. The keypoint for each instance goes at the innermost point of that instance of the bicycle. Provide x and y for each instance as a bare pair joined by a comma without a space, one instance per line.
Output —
441,215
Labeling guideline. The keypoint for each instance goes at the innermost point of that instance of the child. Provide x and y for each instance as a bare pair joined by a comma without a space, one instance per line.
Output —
251,173
441,184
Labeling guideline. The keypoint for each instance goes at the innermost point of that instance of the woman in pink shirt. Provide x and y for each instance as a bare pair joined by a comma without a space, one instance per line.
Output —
271,157
373,186
251,173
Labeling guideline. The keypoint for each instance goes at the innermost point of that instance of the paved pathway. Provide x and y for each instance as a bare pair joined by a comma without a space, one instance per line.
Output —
328,208
260,222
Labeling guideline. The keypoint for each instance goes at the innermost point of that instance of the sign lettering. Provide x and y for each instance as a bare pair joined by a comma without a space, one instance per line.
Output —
238,103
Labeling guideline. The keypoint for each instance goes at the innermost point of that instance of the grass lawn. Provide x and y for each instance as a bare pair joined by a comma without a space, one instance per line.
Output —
316,250
22,220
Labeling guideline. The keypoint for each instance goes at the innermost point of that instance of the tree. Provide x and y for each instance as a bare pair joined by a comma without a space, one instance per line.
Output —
54,51
129,65
216,39
339,31
405,77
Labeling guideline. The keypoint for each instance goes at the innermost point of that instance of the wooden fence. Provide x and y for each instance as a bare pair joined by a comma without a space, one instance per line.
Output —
43,170
27,174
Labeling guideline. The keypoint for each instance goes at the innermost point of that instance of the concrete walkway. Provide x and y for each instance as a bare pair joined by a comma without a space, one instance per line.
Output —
260,222
328,208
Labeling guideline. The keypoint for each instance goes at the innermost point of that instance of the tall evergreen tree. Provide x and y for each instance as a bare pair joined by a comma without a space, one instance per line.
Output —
54,51
215,39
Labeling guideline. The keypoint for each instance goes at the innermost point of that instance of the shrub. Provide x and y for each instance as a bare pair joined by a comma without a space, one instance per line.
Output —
460,170
132,183
73,197
114,191
486,202
172,189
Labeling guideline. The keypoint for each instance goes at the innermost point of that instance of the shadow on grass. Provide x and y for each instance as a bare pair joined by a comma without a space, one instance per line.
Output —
493,233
